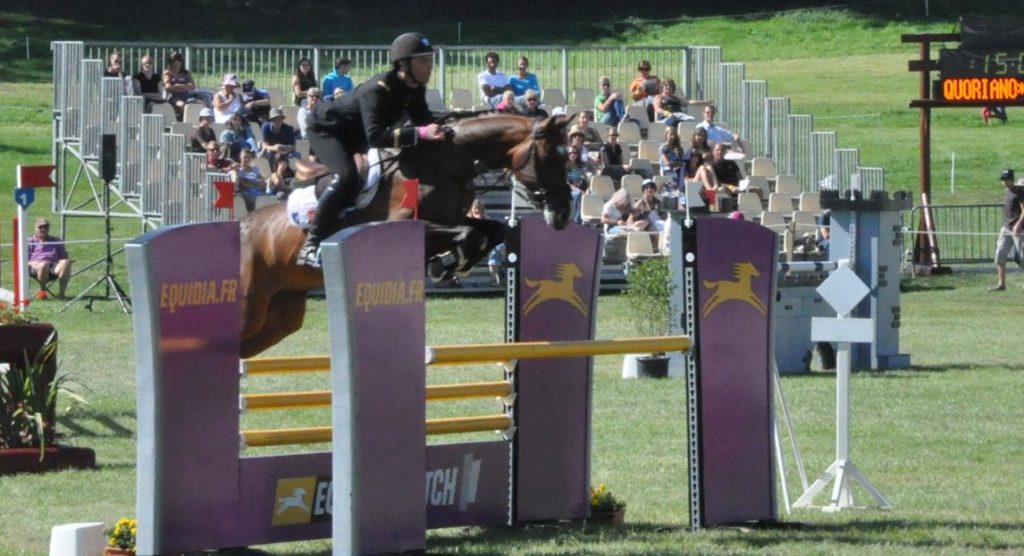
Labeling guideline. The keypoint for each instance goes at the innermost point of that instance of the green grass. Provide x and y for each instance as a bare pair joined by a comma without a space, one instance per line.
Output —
942,439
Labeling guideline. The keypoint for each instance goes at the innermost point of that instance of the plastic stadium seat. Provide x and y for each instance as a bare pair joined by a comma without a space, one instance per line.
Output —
804,223
656,131
629,133
192,113
583,97
462,99
572,110
263,164
435,102
763,167
780,202
554,97
648,150
787,184
291,116
602,186
633,184
639,113
749,204
167,111
591,208
276,97
810,202
641,244
182,128
775,221
685,130
642,166
218,128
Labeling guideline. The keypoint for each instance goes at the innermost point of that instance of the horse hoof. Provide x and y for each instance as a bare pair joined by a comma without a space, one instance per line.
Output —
439,267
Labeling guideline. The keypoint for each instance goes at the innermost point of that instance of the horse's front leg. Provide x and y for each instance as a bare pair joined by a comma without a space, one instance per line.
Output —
455,249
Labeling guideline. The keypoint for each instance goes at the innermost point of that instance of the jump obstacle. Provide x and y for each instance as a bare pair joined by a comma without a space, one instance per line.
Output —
196,490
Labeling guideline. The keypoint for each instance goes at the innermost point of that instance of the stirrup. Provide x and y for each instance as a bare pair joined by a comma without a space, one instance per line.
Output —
309,256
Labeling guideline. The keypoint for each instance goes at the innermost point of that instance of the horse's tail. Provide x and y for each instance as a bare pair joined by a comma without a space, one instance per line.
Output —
531,283
710,284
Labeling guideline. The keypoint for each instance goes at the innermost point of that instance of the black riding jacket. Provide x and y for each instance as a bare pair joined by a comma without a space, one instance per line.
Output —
373,115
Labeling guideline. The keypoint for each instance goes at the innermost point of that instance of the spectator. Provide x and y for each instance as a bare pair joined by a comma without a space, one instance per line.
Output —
148,84
338,80
302,81
496,258
115,68
178,84
236,136
611,156
668,108
591,137
824,235
305,114
531,105
508,103
576,177
278,138
697,161
617,215
576,137
280,182
715,133
1013,197
523,80
48,258
226,101
671,157
727,172
204,140
644,86
255,102
647,209
491,81
249,182
608,106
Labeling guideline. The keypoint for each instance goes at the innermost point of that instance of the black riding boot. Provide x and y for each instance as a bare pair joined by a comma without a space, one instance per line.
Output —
332,200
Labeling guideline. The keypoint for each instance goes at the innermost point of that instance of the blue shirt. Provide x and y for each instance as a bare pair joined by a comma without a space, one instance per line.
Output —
335,80
522,84
284,137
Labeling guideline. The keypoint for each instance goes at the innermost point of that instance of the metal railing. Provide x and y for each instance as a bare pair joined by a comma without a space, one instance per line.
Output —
966,234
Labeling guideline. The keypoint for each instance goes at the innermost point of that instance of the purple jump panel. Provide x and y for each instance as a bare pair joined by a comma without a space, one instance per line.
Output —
556,295
734,283
467,484
374,280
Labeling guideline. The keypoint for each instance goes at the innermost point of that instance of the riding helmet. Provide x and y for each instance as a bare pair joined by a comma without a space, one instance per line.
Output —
408,45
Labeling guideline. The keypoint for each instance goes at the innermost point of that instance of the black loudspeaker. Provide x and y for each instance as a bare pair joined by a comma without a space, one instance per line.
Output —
108,158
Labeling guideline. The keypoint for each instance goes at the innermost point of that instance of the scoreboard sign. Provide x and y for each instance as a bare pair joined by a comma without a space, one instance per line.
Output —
982,75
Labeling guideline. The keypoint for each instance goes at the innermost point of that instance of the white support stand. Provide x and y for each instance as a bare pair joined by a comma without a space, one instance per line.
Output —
843,290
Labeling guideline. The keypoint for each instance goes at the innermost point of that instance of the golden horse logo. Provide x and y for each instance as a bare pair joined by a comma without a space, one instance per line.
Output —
562,287
738,289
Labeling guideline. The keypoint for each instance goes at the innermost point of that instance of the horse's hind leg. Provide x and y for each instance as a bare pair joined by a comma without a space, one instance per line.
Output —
284,315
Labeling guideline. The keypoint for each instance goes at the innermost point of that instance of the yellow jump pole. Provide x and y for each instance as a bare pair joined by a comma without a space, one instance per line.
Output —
490,353
284,437
277,365
455,425
322,398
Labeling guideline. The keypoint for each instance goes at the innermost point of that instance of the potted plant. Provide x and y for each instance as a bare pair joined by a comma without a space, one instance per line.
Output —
121,538
29,386
605,507
649,293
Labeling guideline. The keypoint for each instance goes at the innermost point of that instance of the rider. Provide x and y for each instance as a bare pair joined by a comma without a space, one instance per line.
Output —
369,117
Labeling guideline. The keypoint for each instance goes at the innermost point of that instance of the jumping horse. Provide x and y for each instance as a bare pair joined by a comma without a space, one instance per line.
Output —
275,288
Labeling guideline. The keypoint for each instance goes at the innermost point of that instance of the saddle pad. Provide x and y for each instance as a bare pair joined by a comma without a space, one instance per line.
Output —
302,202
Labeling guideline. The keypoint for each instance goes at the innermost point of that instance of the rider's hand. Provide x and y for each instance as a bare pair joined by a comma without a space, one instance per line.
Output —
431,132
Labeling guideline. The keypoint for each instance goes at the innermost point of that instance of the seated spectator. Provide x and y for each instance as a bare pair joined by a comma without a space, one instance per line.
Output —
226,101
617,215
179,85
523,80
576,177
668,108
48,259
611,157
697,161
644,87
496,258
278,138
302,81
236,136
647,209
204,140
727,172
337,82
715,133
671,157
608,106
508,103
255,102
306,111
249,182
115,67
591,137
148,84
280,182
531,105
576,137
492,82
824,232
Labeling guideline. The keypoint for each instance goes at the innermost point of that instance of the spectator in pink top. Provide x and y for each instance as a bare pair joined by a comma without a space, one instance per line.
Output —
47,258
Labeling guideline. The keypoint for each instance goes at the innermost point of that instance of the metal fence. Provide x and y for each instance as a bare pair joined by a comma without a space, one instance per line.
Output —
966,233
154,171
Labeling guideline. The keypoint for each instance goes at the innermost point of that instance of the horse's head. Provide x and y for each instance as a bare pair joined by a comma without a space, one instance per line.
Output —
539,165
744,269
